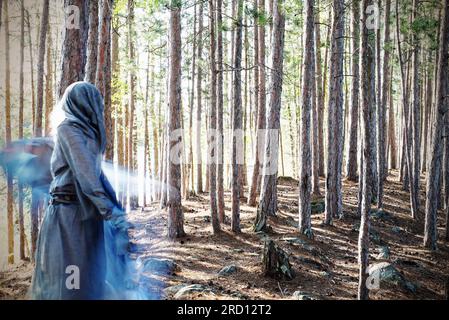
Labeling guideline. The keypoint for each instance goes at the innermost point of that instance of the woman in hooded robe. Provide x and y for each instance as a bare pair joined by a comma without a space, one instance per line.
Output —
82,244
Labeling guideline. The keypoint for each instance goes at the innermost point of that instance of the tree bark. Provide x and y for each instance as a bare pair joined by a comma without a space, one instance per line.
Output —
199,172
382,107
212,163
433,180
368,106
21,108
268,194
40,70
407,129
92,42
103,76
74,45
48,87
335,120
305,170
354,107
220,185
9,182
261,113
175,214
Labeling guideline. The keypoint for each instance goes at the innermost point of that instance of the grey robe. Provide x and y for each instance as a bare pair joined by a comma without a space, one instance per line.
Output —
73,260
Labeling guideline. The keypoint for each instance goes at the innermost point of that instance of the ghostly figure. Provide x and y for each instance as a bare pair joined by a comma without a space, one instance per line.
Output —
84,228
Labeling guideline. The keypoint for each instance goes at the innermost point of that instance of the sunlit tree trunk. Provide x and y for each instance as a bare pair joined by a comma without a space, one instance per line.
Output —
261,113
175,214
199,171
367,76
92,41
30,46
382,106
335,113
407,154
220,153
268,191
237,145
436,155
213,122
103,76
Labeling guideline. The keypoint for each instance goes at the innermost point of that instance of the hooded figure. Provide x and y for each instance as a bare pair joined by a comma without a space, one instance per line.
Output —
83,238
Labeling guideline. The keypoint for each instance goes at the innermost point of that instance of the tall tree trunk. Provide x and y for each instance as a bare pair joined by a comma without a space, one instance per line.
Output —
131,98
416,109
175,214
268,191
103,76
392,126
367,77
9,182
48,86
40,70
30,46
319,93
407,129
261,113
74,44
433,180
199,171
382,106
92,41
305,170
315,125
335,111
220,186
237,145
354,107
191,104
21,108
212,164
427,120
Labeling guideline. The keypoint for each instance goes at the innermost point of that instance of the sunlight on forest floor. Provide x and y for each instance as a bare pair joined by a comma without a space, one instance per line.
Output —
325,268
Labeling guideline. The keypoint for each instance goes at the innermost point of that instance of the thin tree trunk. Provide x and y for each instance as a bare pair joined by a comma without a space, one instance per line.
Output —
21,108
48,87
175,214
191,104
220,157
261,113
320,94
212,164
416,111
9,182
33,95
305,170
382,107
199,172
368,106
354,107
103,73
92,41
40,70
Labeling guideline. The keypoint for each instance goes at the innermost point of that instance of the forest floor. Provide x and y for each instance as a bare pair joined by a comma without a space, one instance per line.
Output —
325,267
